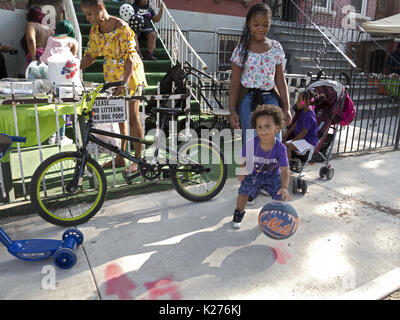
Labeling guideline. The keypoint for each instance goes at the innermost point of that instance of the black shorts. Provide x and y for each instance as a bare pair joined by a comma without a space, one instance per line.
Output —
142,34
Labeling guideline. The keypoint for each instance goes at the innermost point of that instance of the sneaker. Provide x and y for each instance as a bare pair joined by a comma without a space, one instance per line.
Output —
251,201
65,141
263,191
52,139
237,218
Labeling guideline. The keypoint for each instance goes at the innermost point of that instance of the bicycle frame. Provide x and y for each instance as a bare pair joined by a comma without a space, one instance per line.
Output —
89,137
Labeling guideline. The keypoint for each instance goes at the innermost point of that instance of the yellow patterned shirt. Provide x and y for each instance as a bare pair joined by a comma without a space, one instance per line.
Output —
116,46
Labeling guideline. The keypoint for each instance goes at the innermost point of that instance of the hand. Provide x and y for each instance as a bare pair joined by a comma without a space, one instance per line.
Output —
288,118
284,192
4,48
234,120
118,91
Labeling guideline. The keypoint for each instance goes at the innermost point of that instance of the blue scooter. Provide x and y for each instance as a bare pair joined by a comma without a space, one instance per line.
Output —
63,251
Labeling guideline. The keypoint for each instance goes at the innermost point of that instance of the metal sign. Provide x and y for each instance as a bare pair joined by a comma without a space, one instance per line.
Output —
106,111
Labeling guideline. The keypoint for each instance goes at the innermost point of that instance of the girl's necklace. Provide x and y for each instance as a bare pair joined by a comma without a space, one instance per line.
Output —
262,166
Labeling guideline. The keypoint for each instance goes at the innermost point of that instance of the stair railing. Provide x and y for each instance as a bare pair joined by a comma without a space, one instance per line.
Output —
176,45
70,15
173,39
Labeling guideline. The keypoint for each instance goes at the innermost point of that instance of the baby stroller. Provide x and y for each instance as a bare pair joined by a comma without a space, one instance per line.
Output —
329,116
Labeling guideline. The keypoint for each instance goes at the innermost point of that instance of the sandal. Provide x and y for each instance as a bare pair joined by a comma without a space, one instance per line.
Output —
133,168
119,162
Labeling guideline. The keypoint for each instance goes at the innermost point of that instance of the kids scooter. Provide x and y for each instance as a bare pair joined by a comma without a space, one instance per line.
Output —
63,251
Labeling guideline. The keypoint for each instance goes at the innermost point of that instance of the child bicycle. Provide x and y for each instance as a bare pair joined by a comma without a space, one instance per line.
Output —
69,188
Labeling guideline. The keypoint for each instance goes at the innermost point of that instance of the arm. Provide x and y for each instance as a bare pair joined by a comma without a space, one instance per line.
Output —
157,18
283,92
242,170
289,132
128,71
74,49
233,96
301,134
31,40
87,61
285,178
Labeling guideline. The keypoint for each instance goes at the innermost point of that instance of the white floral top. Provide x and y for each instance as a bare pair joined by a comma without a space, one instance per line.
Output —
259,69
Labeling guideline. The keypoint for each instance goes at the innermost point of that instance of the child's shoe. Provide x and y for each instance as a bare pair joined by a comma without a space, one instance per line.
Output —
150,56
237,218
263,190
251,201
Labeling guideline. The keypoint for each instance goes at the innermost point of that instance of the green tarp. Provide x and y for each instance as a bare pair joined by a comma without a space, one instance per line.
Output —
27,121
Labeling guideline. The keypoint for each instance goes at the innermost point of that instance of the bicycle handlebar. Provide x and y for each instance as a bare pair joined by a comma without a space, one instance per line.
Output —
109,85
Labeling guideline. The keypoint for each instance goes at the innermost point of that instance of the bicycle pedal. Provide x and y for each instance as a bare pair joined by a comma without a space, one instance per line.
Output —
129,177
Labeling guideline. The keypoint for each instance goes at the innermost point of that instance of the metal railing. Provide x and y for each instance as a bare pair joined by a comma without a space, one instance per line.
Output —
70,15
16,174
331,40
173,39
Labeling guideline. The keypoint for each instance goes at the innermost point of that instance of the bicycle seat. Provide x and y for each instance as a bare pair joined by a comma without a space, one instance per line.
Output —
171,111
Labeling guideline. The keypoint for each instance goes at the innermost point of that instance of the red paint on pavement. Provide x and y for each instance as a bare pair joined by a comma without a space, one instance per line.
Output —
281,254
117,283
163,287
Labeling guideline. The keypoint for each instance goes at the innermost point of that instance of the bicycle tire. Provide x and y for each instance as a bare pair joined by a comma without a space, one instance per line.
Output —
181,182
50,207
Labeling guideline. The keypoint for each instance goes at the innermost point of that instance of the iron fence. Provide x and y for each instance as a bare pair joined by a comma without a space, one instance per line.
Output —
326,37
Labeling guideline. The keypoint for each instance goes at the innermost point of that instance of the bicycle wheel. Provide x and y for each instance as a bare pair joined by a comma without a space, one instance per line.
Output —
200,172
50,197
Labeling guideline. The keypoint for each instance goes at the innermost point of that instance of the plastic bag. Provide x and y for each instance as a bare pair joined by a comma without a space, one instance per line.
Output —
110,127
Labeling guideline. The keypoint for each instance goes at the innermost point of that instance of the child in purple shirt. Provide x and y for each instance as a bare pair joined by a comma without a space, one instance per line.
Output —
305,129
265,161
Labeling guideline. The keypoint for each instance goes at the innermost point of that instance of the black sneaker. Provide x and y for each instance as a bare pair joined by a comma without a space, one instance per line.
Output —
237,218
250,201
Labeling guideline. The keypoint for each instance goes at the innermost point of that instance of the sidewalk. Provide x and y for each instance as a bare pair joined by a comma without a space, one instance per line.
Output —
160,246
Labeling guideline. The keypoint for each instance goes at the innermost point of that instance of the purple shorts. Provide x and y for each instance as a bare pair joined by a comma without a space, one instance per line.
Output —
270,183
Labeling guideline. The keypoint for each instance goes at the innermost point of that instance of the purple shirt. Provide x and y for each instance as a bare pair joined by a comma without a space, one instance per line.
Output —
308,120
270,161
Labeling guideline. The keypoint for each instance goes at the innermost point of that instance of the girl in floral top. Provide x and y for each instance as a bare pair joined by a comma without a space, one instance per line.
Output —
256,64
113,39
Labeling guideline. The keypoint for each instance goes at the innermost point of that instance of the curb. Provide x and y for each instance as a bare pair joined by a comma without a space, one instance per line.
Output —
376,289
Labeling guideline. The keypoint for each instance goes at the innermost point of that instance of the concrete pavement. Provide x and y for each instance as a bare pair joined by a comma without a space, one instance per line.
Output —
161,246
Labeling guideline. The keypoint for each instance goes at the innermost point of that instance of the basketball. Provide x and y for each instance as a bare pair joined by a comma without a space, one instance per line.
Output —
278,220
126,11
136,22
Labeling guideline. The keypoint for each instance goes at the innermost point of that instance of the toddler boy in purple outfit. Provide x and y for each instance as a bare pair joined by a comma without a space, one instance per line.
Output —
265,161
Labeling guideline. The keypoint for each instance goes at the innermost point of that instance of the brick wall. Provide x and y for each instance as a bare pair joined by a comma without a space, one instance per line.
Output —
336,16
13,4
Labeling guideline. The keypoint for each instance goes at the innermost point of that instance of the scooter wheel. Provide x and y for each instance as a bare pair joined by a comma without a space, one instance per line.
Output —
64,258
77,234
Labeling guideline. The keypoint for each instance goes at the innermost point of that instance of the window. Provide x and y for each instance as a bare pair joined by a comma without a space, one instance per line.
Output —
226,45
360,6
325,4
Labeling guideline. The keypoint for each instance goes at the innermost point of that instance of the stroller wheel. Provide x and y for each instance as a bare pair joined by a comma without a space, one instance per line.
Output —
330,173
303,186
322,172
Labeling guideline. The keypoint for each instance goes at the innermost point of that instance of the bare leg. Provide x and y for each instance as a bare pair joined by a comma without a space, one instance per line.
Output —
136,125
241,202
290,148
151,44
151,41
119,160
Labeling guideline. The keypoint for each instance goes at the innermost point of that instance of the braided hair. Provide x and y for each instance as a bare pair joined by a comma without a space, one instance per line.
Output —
246,35
313,97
